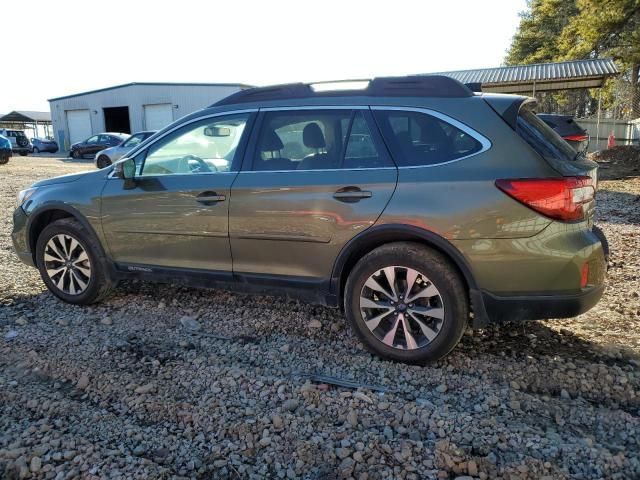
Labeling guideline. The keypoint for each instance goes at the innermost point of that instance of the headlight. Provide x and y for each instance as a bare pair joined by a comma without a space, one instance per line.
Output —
23,195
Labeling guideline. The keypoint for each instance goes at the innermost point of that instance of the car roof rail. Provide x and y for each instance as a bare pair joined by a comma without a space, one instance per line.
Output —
409,86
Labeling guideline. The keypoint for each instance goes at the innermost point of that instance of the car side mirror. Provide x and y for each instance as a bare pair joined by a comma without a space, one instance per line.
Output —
125,169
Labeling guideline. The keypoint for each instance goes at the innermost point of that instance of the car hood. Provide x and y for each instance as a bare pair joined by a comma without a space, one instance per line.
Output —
72,177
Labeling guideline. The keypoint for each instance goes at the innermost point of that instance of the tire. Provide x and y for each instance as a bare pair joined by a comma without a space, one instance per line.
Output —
103,161
98,284
76,154
437,273
23,153
36,150
4,160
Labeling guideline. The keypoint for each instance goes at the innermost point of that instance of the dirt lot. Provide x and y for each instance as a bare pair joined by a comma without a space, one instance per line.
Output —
124,390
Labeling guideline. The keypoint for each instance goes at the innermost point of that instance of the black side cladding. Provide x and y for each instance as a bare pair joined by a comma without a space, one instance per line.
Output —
414,86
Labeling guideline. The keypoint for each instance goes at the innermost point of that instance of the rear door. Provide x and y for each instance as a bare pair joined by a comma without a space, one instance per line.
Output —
175,212
312,180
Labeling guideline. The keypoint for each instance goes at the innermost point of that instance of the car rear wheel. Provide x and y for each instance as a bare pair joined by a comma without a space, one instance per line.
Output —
71,264
36,150
103,161
23,153
406,303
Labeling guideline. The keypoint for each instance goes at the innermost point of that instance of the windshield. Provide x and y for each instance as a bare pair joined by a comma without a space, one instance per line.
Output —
541,137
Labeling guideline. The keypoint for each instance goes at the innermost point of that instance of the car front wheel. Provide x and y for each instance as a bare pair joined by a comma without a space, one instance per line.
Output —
76,154
71,264
406,303
103,161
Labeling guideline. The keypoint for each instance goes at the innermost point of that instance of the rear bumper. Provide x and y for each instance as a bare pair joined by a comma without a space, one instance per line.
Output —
537,307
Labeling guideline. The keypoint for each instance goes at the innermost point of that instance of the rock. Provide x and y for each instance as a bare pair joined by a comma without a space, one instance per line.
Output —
106,321
35,465
190,323
352,418
564,394
265,441
441,388
10,335
290,405
277,422
472,468
343,452
357,456
284,348
83,382
346,467
64,322
147,388
22,321
362,397
314,324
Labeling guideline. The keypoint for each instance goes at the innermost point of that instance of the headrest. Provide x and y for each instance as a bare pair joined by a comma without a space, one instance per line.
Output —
271,141
312,136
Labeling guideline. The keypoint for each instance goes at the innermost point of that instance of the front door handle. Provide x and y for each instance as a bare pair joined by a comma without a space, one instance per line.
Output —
209,198
351,194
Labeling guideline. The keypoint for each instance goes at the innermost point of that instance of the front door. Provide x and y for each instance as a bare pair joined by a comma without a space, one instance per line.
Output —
175,212
312,180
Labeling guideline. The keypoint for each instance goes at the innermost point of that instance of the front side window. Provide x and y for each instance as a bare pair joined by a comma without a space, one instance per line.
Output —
206,146
417,138
92,140
315,140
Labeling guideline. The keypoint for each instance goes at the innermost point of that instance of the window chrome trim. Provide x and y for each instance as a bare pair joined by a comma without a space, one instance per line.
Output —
484,141
143,145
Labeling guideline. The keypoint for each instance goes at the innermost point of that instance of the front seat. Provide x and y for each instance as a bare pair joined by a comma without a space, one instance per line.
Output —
272,145
313,138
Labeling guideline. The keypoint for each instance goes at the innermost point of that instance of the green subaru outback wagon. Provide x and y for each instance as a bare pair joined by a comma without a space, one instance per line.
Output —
413,204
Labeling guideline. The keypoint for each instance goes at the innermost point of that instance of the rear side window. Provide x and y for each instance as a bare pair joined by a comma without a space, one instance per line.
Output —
316,140
541,137
416,138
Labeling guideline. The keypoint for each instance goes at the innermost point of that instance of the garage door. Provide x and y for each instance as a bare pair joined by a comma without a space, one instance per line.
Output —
79,123
158,116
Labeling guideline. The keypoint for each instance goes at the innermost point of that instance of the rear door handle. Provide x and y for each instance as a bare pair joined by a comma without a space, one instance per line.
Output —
208,198
351,194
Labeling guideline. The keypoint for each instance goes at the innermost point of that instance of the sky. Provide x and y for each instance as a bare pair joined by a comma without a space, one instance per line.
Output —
69,46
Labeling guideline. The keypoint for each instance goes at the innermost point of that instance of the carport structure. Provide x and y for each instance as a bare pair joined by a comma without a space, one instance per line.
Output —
35,122
541,77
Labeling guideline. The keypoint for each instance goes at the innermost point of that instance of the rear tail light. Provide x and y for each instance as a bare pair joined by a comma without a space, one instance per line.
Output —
576,138
558,198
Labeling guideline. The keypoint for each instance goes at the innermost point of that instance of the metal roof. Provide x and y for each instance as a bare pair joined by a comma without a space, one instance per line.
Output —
544,76
168,84
26,116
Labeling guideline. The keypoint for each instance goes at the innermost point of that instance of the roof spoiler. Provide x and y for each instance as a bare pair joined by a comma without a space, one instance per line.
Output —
474,86
508,106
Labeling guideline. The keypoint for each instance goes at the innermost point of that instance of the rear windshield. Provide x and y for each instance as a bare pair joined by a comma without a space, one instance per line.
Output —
542,137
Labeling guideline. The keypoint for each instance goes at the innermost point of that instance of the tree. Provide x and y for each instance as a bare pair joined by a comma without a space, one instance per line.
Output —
555,30
535,40
607,28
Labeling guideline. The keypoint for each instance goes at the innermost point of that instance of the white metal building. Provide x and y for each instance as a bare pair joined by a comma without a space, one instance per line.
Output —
131,107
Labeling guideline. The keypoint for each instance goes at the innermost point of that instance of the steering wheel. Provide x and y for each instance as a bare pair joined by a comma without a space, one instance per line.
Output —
202,165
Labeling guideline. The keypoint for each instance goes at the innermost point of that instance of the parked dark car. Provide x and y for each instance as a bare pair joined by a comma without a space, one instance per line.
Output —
44,145
95,143
570,131
415,206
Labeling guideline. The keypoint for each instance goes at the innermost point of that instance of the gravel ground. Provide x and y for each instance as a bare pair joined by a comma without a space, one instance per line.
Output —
165,382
